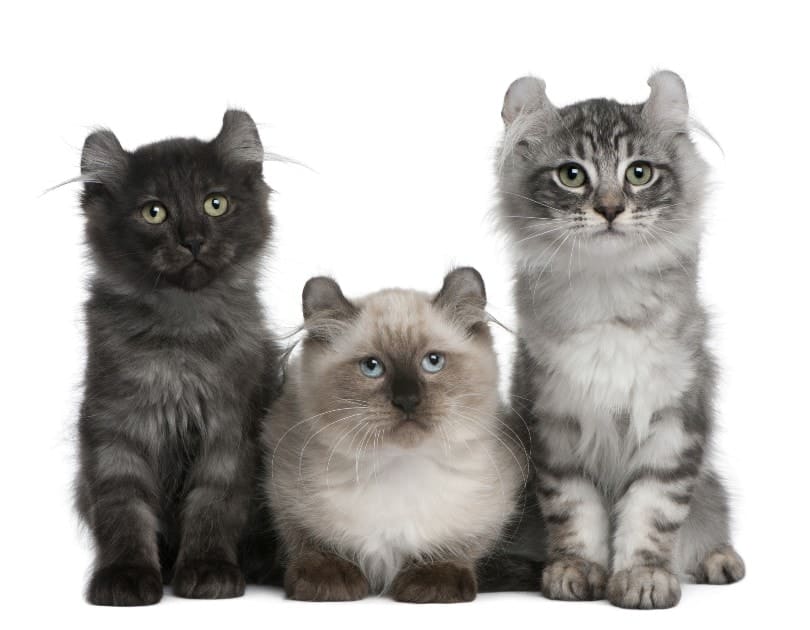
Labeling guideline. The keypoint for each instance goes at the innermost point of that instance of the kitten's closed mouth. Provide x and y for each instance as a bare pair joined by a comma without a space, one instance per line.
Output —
411,423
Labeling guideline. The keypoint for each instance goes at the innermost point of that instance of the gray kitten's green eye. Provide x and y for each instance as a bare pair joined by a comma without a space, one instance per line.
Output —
639,173
154,212
215,205
572,175
372,367
433,362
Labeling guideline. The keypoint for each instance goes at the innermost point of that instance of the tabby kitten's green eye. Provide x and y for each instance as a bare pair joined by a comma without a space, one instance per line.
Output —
572,175
154,212
639,173
215,205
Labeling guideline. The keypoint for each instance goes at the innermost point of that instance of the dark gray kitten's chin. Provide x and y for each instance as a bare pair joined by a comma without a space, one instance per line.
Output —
193,277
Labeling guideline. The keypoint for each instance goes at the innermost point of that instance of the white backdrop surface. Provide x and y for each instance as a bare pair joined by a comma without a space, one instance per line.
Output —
394,107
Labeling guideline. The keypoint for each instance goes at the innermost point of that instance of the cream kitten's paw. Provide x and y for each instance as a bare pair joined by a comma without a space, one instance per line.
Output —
320,577
644,588
721,566
573,579
438,583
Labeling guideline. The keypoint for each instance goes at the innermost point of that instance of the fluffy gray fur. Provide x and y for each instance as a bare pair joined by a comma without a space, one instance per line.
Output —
612,364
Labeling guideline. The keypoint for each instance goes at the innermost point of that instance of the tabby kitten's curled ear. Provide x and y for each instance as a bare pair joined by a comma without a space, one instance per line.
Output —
325,307
525,95
667,106
463,296
238,140
104,161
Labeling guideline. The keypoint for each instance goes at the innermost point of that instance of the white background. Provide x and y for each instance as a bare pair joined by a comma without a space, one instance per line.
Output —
396,111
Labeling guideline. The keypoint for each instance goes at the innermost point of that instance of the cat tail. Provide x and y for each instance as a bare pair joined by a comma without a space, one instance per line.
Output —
508,573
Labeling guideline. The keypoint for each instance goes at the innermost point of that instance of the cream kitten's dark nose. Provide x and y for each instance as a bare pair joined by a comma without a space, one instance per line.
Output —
406,394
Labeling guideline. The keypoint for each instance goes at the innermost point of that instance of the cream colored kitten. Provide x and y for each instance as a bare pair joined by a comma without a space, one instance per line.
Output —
389,468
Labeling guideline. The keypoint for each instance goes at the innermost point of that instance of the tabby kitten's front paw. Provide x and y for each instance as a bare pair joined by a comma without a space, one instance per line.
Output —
721,566
440,583
317,577
125,585
644,588
574,579
208,579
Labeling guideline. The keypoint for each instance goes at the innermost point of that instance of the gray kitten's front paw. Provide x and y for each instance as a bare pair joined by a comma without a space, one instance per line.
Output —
644,588
721,566
573,579
208,579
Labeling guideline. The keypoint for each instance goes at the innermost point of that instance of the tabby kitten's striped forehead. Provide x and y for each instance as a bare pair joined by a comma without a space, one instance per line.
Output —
605,178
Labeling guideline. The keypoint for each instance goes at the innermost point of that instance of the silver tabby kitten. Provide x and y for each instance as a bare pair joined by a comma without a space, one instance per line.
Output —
602,202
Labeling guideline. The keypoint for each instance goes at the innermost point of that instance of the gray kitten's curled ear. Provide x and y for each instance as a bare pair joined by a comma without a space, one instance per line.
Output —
667,106
104,161
464,296
325,307
238,140
525,95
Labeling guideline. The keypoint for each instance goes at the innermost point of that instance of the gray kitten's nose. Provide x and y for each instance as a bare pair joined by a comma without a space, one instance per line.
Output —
609,212
193,245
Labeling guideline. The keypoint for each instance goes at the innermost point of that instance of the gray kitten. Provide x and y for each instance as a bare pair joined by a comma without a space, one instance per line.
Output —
389,467
602,202
180,366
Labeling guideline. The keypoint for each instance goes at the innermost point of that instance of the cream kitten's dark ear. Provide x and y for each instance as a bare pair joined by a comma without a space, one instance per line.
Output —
525,95
667,106
464,297
238,140
104,161
325,307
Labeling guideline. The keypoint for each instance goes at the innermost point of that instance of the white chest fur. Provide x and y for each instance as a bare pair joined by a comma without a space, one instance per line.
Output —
615,353
403,504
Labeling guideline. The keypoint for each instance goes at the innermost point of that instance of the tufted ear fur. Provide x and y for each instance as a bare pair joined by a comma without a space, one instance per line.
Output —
238,140
463,296
104,161
325,307
667,106
525,95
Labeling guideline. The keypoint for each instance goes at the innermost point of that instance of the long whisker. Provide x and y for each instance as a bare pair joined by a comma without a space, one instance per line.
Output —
481,426
297,424
539,203
355,429
359,454
659,238
514,435
457,420
554,229
543,270
318,432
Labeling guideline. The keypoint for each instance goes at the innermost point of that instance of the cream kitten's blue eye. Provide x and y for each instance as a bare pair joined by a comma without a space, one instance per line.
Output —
433,362
372,367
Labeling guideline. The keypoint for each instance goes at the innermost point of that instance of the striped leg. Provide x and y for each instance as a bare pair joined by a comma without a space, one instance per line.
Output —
649,514
214,515
121,508
576,520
